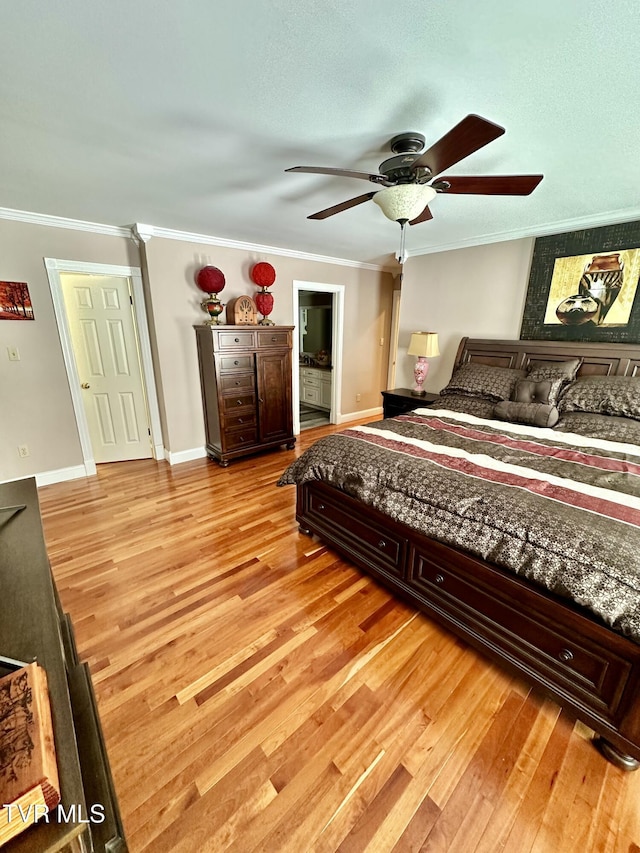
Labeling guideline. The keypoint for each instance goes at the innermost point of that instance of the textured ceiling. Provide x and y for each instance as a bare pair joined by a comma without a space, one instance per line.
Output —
184,115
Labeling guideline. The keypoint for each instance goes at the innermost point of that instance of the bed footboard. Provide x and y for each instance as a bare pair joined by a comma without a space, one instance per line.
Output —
554,644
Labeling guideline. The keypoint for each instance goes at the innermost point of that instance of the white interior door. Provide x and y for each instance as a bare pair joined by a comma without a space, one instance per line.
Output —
103,332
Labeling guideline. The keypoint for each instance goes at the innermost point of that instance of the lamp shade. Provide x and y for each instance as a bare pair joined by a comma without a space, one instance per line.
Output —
424,344
210,279
404,201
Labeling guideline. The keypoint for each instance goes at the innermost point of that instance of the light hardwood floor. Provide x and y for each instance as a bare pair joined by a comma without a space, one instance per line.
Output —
257,692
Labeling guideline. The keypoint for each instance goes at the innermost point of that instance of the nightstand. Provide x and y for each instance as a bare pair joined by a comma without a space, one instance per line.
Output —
399,401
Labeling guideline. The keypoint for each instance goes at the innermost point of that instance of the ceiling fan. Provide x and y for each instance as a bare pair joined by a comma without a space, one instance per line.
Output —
408,177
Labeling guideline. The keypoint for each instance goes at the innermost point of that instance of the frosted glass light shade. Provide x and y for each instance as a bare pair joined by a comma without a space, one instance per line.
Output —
404,201
424,344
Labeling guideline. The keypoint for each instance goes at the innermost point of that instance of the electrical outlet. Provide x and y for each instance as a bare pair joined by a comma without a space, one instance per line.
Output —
358,398
23,450
14,354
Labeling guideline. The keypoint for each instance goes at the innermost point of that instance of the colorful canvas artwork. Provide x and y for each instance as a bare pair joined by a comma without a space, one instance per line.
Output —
15,302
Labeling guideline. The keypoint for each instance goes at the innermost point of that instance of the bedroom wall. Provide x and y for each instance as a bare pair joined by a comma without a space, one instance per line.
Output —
35,401
477,292
175,306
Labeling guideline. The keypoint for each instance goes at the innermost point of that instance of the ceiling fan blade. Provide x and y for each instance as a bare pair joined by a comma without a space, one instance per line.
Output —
341,173
492,185
344,205
471,134
424,217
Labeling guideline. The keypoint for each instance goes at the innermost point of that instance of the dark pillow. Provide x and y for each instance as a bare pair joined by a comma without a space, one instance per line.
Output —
528,391
559,372
601,426
603,395
483,380
477,406
538,414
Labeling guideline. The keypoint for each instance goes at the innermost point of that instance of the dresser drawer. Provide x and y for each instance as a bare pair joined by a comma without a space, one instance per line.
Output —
234,363
247,419
234,402
598,676
228,339
237,382
268,338
354,533
244,437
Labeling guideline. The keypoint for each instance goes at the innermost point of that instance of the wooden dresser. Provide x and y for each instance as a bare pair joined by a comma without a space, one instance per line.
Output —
245,374
34,626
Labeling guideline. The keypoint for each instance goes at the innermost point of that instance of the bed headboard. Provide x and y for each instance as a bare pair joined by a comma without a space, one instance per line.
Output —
603,358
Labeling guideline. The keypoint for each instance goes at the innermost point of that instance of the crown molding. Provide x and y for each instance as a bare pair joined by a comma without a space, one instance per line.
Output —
148,231
614,217
61,222
143,233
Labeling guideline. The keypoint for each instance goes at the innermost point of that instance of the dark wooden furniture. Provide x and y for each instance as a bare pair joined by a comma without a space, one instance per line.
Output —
399,401
556,645
245,375
33,626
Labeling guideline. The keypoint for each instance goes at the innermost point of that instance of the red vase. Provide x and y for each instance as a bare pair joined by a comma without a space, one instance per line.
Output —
264,304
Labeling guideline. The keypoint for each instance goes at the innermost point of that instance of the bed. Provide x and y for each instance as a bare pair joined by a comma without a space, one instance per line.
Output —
539,568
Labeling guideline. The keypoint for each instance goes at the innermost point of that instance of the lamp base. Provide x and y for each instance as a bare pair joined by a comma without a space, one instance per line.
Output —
420,374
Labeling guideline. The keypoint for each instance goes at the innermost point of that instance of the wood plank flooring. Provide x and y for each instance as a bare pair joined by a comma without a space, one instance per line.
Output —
257,692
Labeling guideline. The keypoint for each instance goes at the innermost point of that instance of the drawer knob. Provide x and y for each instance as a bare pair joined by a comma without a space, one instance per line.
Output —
320,506
273,338
237,340
241,438
236,362
565,655
238,402
382,544
439,578
240,420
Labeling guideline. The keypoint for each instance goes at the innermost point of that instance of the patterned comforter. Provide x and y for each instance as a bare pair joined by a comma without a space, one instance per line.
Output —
560,509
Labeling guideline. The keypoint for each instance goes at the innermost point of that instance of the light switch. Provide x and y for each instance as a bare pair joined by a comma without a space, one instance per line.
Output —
14,354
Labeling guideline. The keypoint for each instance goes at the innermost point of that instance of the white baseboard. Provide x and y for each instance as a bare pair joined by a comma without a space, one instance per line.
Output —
355,416
47,478
184,455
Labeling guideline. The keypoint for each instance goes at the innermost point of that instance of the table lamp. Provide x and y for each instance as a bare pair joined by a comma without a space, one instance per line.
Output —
424,345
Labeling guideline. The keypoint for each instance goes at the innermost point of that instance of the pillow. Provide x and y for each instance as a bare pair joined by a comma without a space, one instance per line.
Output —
477,406
601,426
483,380
603,395
559,372
528,391
538,414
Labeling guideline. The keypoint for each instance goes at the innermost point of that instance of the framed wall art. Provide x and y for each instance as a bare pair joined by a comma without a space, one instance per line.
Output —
583,286
15,302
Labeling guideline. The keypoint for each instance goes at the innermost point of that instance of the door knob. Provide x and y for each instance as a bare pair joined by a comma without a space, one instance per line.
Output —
85,385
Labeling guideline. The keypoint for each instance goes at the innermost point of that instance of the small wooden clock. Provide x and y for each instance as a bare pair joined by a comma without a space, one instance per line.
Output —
242,311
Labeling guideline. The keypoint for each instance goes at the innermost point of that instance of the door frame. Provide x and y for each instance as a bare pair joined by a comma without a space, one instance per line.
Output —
55,267
337,332
393,339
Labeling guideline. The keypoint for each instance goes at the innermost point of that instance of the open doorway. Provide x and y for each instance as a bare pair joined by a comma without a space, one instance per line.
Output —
103,331
317,363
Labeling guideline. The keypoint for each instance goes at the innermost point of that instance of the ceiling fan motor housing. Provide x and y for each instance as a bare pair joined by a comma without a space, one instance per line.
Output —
399,169
407,148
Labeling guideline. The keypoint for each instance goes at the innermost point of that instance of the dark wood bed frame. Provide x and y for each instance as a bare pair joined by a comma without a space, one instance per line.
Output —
558,646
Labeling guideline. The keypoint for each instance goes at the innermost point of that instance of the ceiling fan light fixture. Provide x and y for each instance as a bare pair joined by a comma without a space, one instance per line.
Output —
404,202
